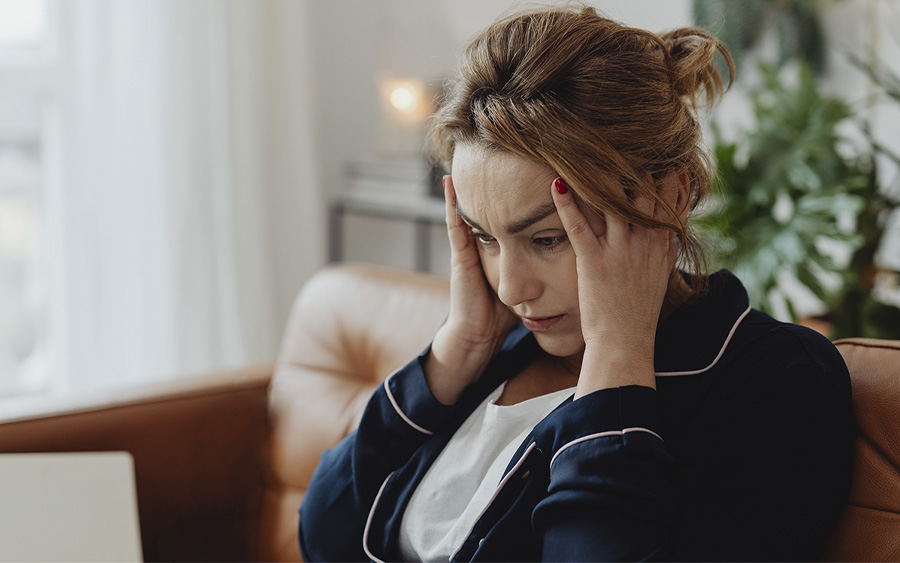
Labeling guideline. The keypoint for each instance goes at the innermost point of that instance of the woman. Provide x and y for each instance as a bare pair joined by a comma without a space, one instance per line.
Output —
586,399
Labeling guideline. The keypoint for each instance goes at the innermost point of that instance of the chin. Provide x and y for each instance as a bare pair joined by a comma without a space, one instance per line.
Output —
561,346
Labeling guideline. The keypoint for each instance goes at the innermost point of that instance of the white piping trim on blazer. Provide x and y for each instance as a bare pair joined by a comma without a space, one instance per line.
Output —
503,482
717,358
393,401
365,538
602,435
533,445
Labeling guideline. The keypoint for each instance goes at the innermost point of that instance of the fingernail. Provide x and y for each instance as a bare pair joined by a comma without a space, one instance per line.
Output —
444,180
560,185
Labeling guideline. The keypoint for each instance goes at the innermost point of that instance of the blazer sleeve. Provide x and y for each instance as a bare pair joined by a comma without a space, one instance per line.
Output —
765,468
399,417
759,471
610,495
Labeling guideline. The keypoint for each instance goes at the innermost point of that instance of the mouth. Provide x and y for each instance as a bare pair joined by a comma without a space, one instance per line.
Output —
541,324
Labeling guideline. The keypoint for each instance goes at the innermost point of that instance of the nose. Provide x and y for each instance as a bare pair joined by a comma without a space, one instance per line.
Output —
519,281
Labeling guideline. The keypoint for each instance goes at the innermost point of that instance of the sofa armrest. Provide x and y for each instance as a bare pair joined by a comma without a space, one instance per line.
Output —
199,447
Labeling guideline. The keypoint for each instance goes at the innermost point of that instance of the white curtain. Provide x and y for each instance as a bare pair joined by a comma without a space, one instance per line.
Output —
161,214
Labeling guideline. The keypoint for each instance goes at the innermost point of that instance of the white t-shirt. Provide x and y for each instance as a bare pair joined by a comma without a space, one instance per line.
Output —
459,485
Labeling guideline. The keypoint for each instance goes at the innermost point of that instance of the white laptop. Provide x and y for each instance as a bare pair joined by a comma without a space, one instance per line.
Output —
68,507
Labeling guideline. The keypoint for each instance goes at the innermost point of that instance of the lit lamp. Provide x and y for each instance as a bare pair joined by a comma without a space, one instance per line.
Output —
398,167
405,98
405,106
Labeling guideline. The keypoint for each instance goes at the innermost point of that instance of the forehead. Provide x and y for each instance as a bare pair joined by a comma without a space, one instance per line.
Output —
498,187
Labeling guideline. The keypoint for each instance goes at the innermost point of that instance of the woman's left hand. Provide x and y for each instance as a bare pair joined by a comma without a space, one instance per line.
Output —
623,274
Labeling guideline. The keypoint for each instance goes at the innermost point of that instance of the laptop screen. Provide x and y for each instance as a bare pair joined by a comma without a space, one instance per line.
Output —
68,507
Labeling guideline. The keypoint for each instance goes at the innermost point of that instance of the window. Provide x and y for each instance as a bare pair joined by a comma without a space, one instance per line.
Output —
27,101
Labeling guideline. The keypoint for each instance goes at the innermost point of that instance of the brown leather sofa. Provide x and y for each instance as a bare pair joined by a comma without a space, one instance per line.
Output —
222,461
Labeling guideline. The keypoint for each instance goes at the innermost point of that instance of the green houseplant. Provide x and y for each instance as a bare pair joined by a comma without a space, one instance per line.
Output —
794,187
856,309
794,196
791,193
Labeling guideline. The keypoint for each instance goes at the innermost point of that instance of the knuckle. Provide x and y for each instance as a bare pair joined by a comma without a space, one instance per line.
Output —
578,226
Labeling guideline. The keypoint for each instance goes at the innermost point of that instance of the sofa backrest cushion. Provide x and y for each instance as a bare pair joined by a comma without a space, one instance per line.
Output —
350,327
868,529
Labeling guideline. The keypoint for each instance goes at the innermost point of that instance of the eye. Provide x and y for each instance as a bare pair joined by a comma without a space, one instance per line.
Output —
483,238
550,242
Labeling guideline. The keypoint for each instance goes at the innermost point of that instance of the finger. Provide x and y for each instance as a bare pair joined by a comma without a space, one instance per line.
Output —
656,209
617,229
578,229
658,239
596,221
645,205
459,238
661,248
674,192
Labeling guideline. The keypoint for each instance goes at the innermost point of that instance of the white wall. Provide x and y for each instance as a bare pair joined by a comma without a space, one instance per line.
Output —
296,196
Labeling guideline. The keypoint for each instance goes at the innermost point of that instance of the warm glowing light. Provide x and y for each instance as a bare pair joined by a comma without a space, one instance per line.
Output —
405,103
404,97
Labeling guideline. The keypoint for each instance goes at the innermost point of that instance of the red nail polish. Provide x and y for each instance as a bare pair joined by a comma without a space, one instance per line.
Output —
560,185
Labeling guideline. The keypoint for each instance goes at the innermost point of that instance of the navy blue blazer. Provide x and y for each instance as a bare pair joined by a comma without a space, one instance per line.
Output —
743,452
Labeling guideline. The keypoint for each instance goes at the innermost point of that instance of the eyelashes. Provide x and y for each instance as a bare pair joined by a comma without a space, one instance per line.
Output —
541,243
550,243
482,238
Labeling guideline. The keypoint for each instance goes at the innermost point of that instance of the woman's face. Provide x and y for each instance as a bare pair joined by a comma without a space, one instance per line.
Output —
527,259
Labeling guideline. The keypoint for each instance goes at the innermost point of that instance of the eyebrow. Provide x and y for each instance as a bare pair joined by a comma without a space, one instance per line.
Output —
515,227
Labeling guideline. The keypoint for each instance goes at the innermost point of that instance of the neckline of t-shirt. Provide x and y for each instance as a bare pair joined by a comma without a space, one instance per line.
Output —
541,403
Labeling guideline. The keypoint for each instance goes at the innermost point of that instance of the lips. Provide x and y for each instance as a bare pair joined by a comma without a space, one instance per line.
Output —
541,324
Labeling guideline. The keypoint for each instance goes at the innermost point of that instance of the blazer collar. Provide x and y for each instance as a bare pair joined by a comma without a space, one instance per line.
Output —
697,334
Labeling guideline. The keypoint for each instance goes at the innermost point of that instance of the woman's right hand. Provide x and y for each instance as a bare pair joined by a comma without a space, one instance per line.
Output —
478,322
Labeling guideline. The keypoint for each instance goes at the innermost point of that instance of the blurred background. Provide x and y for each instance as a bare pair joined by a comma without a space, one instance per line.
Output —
171,172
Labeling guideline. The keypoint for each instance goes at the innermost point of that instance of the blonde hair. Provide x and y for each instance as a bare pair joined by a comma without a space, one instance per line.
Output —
589,98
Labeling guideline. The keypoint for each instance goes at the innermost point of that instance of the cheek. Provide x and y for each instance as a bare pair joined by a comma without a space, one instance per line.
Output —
559,275
566,275
490,266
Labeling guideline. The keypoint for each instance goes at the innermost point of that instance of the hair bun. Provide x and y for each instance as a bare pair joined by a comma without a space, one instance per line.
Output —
691,58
